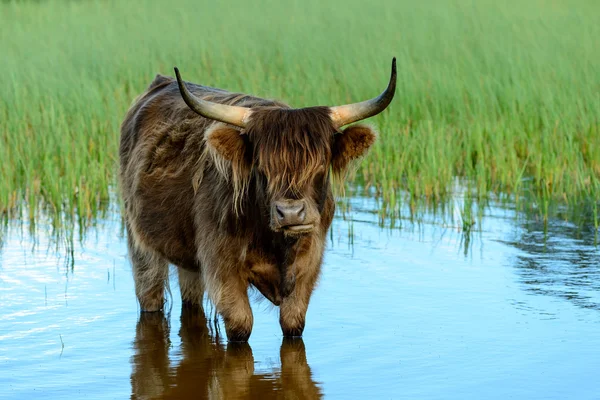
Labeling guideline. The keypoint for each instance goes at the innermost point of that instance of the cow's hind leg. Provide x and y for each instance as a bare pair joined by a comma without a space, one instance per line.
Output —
150,274
191,287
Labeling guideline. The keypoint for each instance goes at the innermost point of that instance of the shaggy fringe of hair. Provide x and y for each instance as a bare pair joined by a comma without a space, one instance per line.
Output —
290,161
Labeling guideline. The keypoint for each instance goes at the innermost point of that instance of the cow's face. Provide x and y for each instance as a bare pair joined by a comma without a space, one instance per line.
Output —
289,155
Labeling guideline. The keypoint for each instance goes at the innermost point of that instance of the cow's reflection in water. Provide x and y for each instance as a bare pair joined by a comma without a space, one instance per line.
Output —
206,369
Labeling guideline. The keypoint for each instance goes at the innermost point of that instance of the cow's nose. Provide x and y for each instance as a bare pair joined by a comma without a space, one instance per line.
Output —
290,212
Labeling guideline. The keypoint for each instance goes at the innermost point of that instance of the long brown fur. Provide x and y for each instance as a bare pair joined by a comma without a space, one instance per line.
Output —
198,194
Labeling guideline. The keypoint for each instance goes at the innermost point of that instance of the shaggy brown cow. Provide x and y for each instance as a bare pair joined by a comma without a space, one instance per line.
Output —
235,191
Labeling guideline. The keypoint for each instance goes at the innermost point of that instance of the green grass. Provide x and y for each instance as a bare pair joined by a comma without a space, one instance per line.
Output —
504,94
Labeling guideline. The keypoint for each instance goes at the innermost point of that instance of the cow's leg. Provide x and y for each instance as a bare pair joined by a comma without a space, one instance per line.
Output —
191,287
292,312
299,282
150,274
229,292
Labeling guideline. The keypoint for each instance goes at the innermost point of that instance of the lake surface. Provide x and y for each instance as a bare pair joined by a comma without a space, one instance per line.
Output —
420,311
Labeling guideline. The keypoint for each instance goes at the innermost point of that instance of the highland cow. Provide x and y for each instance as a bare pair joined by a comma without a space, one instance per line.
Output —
234,190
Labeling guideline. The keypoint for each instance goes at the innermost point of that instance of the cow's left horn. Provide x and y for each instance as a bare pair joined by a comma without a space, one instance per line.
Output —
347,114
233,115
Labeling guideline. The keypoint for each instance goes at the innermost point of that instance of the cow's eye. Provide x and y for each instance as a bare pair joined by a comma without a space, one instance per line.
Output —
318,180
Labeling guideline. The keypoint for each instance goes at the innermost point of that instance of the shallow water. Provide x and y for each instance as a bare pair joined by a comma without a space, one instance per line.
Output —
410,312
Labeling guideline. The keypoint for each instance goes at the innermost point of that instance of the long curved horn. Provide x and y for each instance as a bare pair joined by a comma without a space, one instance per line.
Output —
349,113
233,115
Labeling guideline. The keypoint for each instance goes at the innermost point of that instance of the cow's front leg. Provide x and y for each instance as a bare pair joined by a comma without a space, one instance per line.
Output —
230,295
292,312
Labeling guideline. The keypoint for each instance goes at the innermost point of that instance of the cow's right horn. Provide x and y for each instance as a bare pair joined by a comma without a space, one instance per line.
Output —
233,115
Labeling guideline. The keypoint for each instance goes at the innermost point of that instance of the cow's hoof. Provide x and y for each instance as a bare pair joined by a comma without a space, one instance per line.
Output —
152,305
238,335
292,332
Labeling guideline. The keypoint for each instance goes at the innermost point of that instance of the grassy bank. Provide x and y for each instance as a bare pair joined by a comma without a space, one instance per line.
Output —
505,94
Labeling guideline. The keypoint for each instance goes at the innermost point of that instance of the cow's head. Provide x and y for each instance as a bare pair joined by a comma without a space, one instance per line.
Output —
288,153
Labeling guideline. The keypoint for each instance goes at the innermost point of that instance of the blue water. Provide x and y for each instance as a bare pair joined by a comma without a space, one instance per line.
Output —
418,311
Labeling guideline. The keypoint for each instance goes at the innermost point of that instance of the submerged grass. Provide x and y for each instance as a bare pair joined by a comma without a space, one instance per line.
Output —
505,95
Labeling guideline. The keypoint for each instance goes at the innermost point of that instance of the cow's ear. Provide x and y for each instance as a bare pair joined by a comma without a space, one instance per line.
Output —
227,142
351,144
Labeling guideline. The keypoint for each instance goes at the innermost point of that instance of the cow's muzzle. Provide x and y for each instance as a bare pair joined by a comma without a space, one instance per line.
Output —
291,216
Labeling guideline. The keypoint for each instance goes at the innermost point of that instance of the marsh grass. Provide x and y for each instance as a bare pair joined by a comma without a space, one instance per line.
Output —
504,95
